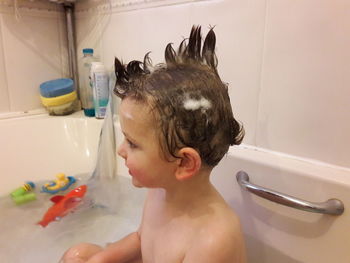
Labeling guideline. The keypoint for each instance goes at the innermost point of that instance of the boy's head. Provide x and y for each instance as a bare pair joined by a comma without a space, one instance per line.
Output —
189,102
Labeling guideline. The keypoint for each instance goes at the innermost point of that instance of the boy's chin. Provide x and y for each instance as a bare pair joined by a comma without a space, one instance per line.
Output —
136,183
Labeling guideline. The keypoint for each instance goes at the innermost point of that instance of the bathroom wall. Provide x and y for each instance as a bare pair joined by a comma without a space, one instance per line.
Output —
32,50
287,62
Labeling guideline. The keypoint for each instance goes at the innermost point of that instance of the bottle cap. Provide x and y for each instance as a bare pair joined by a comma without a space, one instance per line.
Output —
88,51
32,185
89,112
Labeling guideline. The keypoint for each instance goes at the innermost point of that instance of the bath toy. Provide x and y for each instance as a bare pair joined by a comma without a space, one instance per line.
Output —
27,187
25,198
62,183
23,194
63,205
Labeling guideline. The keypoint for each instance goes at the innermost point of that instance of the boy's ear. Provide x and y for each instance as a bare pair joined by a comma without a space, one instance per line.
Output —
189,164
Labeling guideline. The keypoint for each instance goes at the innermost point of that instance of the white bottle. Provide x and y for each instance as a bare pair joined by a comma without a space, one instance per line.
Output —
85,88
100,85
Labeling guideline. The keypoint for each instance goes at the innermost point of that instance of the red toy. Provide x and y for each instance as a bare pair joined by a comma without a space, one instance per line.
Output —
63,205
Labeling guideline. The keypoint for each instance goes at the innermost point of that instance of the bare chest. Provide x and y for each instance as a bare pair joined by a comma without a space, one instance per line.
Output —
165,241
165,237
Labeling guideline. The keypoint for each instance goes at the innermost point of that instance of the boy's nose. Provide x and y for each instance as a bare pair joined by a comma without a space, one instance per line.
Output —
121,150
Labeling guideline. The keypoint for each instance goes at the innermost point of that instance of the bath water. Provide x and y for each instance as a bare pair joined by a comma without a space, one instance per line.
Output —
110,210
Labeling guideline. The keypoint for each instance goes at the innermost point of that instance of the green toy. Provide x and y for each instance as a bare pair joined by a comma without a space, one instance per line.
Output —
27,187
23,194
22,199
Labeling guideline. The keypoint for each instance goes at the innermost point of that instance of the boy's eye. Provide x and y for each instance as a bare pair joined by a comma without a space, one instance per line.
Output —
131,144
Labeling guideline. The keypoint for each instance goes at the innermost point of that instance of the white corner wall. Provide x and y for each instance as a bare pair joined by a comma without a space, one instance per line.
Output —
239,26
32,50
287,62
304,104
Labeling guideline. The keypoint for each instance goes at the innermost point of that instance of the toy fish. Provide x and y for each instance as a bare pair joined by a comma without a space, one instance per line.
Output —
63,205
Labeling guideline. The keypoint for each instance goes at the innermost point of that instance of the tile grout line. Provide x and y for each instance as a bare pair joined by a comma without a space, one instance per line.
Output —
4,62
261,73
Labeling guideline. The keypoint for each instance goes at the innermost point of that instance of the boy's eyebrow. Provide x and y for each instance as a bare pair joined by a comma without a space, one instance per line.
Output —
128,136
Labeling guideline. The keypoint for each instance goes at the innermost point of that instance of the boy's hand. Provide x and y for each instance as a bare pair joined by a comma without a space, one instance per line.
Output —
125,250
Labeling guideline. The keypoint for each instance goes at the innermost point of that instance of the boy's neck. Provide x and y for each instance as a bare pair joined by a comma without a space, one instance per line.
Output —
188,194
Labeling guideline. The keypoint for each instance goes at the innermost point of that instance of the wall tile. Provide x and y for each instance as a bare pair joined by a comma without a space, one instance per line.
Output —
90,30
33,54
239,26
145,30
4,96
304,105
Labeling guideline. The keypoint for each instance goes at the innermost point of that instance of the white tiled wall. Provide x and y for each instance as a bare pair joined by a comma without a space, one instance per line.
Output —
287,62
239,26
4,92
304,105
33,50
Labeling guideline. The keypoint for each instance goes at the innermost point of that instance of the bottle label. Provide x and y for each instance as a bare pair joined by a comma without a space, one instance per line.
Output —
85,88
101,93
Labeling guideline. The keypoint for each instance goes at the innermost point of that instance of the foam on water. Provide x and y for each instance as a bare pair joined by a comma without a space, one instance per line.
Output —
22,240
116,211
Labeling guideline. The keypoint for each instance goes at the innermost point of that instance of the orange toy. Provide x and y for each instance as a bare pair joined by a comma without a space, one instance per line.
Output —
63,205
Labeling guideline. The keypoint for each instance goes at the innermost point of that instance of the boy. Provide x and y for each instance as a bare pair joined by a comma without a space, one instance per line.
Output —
178,124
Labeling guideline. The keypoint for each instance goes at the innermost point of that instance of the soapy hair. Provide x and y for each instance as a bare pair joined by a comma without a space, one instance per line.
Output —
190,103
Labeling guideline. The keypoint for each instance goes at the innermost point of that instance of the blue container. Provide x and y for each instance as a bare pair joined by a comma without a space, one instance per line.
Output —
56,87
59,96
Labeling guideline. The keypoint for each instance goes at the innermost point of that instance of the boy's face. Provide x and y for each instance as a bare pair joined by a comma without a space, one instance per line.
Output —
141,149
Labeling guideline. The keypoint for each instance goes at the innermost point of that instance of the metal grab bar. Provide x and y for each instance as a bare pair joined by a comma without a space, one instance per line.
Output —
330,207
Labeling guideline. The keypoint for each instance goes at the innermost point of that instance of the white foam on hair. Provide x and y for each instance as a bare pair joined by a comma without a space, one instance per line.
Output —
193,104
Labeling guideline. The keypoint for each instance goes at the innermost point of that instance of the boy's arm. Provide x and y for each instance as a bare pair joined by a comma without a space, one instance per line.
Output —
219,247
124,250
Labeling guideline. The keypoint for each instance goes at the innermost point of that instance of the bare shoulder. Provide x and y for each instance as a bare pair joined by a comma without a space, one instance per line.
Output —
219,240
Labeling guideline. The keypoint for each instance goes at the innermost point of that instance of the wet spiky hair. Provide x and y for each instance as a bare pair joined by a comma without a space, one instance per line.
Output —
188,75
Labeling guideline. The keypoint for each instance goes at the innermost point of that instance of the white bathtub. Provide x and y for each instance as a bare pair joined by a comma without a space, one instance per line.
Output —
40,146
280,234
36,148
